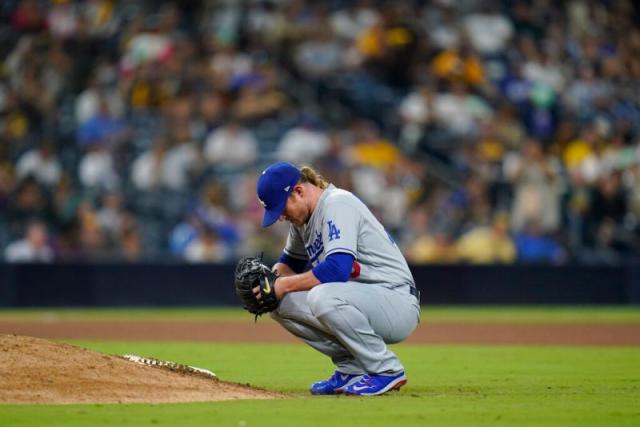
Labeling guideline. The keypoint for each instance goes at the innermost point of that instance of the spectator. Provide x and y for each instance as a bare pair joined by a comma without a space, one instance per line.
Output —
534,247
304,143
131,245
575,210
459,111
184,234
148,169
259,96
211,110
610,246
349,22
319,56
28,17
213,209
182,161
334,163
437,248
427,103
541,68
42,164
102,128
488,30
62,19
416,113
206,248
423,246
28,202
441,26
484,244
537,187
33,247
459,64
96,169
111,215
231,145
7,186
98,95
584,91
582,154
371,149
65,201
608,202
92,239
508,129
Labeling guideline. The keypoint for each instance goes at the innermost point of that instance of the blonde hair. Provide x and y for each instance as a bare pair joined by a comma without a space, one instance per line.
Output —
308,174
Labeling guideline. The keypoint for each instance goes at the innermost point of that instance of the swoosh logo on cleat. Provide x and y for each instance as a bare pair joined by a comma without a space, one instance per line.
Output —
356,388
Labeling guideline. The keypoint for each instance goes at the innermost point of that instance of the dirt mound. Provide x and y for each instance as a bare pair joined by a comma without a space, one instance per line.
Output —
34,370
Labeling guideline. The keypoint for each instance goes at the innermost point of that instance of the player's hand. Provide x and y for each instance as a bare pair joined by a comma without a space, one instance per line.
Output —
278,290
255,285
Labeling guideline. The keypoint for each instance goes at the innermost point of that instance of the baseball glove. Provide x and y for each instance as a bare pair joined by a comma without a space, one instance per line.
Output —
251,272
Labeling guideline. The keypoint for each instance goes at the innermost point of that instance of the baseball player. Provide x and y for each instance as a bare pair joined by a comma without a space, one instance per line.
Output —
358,295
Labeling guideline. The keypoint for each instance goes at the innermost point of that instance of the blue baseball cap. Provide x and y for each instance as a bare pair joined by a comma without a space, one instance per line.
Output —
274,186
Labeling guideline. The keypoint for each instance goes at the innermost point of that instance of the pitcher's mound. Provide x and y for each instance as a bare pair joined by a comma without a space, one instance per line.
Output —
34,370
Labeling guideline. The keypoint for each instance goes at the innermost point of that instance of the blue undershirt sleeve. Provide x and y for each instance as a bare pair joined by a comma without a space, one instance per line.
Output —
295,264
335,268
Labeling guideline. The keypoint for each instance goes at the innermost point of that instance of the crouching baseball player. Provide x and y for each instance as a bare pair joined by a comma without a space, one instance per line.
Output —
358,295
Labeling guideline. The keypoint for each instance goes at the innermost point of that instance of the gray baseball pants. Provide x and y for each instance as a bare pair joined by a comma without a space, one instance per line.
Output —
352,323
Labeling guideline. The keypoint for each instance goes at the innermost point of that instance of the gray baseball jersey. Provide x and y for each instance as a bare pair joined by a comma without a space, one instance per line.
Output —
342,223
351,322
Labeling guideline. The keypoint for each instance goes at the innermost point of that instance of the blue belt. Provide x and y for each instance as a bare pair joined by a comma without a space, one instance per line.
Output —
415,292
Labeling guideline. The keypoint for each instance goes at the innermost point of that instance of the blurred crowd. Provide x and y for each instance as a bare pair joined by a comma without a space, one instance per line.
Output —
478,131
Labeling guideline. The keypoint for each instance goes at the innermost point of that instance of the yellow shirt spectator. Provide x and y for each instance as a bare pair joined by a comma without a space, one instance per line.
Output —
372,43
428,249
484,245
575,153
449,64
380,153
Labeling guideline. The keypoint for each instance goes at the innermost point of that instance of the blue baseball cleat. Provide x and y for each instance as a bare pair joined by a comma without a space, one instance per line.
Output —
336,384
373,385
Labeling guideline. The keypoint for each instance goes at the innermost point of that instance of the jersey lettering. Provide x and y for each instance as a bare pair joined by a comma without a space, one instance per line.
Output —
315,248
334,232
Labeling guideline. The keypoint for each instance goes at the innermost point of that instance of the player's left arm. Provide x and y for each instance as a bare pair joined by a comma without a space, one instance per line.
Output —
288,265
335,268
296,283
340,226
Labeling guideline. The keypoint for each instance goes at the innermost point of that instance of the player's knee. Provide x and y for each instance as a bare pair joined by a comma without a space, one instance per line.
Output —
321,299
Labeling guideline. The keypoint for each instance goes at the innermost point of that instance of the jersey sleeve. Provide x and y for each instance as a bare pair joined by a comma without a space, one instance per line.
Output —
335,268
295,245
341,224
295,264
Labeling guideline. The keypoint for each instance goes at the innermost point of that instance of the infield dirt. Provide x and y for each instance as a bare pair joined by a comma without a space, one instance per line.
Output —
268,331
34,370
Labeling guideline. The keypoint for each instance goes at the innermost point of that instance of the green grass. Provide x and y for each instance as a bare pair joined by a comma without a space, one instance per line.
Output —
525,314
448,386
